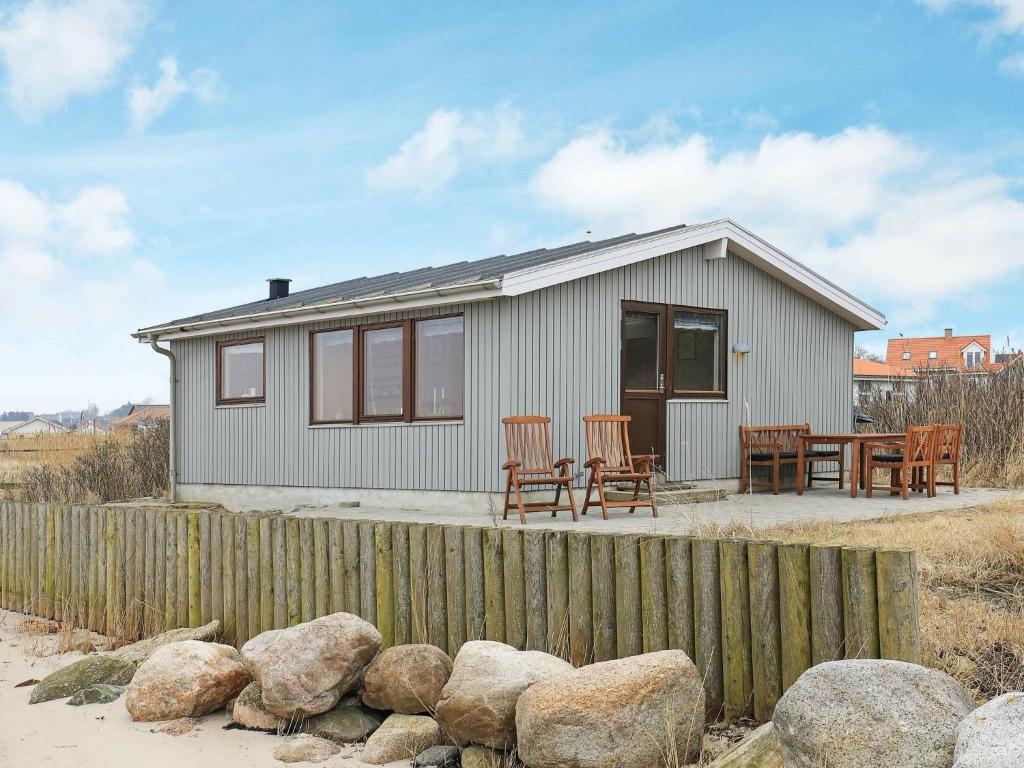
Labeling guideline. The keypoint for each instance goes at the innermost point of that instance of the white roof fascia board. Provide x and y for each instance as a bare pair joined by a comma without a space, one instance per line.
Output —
741,241
457,294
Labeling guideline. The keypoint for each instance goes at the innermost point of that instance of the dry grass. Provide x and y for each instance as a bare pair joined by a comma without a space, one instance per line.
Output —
73,468
991,408
972,584
20,454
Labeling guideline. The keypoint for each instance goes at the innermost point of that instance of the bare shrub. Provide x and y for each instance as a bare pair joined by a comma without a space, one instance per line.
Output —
108,469
991,408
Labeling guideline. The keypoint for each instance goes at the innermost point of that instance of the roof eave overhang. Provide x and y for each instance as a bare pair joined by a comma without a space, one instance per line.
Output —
711,237
455,294
715,239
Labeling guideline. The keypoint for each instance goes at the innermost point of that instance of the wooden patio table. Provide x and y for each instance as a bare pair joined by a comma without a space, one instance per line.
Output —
856,441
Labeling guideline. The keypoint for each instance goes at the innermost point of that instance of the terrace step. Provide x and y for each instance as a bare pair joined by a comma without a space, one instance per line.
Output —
671,496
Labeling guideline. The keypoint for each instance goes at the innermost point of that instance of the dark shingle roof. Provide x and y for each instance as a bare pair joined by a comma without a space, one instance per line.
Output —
460,273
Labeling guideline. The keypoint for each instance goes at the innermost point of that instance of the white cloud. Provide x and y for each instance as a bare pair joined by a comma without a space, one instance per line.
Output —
448,140
792,179
53,51
95,221
146,104
864,206
74,291
1013,65
37,237
1003,18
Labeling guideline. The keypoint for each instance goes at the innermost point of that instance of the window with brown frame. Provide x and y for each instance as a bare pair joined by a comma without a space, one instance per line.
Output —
241,373
332,380
408,370
383,368
698,350
439,368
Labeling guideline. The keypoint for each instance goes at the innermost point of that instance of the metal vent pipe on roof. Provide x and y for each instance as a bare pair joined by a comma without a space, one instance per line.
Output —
278,287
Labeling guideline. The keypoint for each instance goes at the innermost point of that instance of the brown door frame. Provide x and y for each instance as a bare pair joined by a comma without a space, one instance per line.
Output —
661,394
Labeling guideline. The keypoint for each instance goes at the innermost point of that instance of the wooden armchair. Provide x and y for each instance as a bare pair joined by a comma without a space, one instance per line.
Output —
528,448
610,461
911,463
768,446
948,438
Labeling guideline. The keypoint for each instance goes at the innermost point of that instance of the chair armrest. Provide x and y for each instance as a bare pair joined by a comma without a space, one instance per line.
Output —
564,462
645,460
594,462
511,464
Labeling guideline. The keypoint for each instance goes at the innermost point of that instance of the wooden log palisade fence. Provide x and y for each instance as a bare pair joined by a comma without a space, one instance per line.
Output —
753,615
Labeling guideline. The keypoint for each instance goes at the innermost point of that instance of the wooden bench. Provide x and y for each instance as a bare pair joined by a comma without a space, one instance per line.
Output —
771,446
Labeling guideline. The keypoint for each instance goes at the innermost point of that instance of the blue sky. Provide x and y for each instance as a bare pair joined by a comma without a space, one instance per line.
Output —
159,159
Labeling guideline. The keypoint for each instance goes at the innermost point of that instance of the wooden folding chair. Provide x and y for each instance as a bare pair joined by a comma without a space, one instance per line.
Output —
610,461
528,448
948,438
910,462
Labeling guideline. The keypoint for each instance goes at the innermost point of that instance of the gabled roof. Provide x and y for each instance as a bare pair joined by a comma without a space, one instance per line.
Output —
872,369
143,413
9,427
948,352
515,275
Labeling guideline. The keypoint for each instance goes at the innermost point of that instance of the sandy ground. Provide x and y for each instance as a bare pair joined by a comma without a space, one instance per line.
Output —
56,735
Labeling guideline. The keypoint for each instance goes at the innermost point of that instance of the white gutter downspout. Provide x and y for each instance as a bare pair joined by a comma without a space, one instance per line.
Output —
172,464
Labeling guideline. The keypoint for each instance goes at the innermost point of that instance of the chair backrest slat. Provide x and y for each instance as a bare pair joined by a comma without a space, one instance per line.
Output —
920,443
608,437
948,438
783,436
528,441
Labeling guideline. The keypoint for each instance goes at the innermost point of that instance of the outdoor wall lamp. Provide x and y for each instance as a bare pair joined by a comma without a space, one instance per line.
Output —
741,348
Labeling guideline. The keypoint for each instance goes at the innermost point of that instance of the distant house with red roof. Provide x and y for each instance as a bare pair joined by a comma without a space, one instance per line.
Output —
963,354
142,417
875,380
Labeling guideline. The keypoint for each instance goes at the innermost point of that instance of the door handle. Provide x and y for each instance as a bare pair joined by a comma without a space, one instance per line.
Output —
661,382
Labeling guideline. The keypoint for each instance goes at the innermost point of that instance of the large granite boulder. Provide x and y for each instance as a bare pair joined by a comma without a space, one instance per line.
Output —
249,712
142,650
992,736
186,679
101,668
304,670
886,714
478,704
629,713
303,748
407,679
347,723
401,737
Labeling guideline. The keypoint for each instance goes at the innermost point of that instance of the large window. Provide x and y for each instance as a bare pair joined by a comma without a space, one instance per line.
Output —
698,359
333,355
383,366
402,371
440,363
240,376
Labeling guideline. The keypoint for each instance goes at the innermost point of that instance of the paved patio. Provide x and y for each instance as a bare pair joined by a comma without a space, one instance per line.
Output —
755,510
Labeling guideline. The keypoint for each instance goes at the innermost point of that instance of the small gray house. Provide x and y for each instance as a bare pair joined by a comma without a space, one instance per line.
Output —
390,390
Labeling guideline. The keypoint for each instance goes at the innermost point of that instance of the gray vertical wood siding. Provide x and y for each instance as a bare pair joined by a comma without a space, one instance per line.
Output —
554,352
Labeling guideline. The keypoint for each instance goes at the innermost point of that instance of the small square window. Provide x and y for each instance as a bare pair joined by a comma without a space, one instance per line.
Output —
240,375
906,355
933,355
